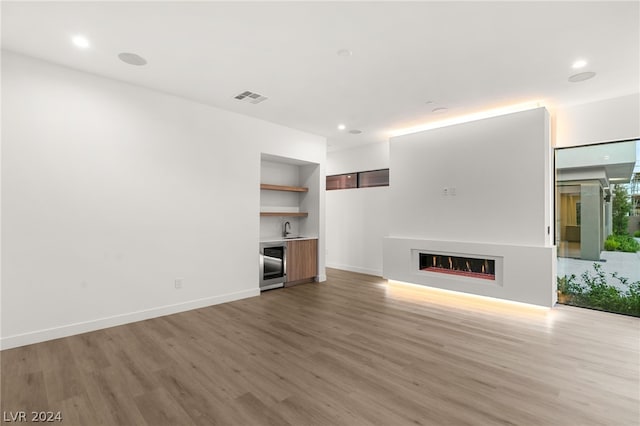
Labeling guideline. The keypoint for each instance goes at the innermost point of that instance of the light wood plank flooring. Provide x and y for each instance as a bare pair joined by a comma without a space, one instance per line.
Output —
352,351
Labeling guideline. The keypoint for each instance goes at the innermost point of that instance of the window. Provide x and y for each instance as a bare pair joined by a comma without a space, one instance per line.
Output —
346,181
366,179
373,178
597,235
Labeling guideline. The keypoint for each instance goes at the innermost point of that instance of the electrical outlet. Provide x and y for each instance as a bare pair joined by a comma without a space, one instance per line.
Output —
178,283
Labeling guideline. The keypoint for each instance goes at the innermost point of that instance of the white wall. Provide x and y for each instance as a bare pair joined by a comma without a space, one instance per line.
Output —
602,121
497,167
361,158
110,192
475,189
356,225
357,219
312,177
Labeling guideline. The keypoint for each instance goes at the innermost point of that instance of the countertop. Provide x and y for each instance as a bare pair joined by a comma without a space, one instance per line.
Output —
280,239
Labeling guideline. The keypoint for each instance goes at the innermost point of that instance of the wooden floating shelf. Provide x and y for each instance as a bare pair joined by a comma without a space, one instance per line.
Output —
283,188
296,214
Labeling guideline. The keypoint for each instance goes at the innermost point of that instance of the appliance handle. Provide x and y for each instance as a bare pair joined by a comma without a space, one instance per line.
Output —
284,260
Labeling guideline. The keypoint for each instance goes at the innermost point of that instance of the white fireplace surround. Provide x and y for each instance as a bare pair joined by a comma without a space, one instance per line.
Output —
523,273
482,188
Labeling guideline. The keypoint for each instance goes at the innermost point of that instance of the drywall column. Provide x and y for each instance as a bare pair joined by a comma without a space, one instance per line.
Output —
603,230
590,221
437,175
608,219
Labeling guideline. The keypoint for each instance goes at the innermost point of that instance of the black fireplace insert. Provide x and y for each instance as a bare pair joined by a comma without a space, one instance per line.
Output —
457,265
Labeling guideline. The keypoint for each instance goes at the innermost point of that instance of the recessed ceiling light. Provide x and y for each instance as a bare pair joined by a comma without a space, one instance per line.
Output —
132,59
439,110
580,63
344,52
80,41
576,78
355,131
341,127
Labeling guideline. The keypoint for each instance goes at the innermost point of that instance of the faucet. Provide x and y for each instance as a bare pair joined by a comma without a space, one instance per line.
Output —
284,229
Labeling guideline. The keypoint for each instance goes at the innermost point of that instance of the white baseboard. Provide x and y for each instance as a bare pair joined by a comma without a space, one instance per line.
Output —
17,340
376,272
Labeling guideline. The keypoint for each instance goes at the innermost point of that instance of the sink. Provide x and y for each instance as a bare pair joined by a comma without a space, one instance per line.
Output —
292,237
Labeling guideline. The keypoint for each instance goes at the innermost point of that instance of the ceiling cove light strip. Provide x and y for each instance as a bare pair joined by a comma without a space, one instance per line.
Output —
467,118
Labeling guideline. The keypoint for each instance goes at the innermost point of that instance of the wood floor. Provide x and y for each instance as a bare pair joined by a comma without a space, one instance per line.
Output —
352,351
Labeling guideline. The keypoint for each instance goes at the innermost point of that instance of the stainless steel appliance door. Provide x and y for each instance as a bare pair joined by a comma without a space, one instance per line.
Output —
273,264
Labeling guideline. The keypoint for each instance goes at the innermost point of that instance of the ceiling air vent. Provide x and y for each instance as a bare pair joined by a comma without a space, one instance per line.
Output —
254,98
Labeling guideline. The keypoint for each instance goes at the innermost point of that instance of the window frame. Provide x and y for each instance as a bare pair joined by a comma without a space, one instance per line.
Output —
358,183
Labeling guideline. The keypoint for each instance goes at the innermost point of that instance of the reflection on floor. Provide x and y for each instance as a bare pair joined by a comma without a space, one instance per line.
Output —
569,249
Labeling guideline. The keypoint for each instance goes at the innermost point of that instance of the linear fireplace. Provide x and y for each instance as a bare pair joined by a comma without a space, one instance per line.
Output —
457,265
410,260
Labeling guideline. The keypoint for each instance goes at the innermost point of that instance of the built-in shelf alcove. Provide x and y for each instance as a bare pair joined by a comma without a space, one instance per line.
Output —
289,194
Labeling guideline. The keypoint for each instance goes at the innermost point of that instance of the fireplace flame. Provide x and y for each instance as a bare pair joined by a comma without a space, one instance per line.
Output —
462,266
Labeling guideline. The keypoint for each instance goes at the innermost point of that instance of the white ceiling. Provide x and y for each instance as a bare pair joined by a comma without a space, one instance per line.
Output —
464,56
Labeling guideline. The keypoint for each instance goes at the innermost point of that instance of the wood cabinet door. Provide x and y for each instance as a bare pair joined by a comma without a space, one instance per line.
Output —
302,260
